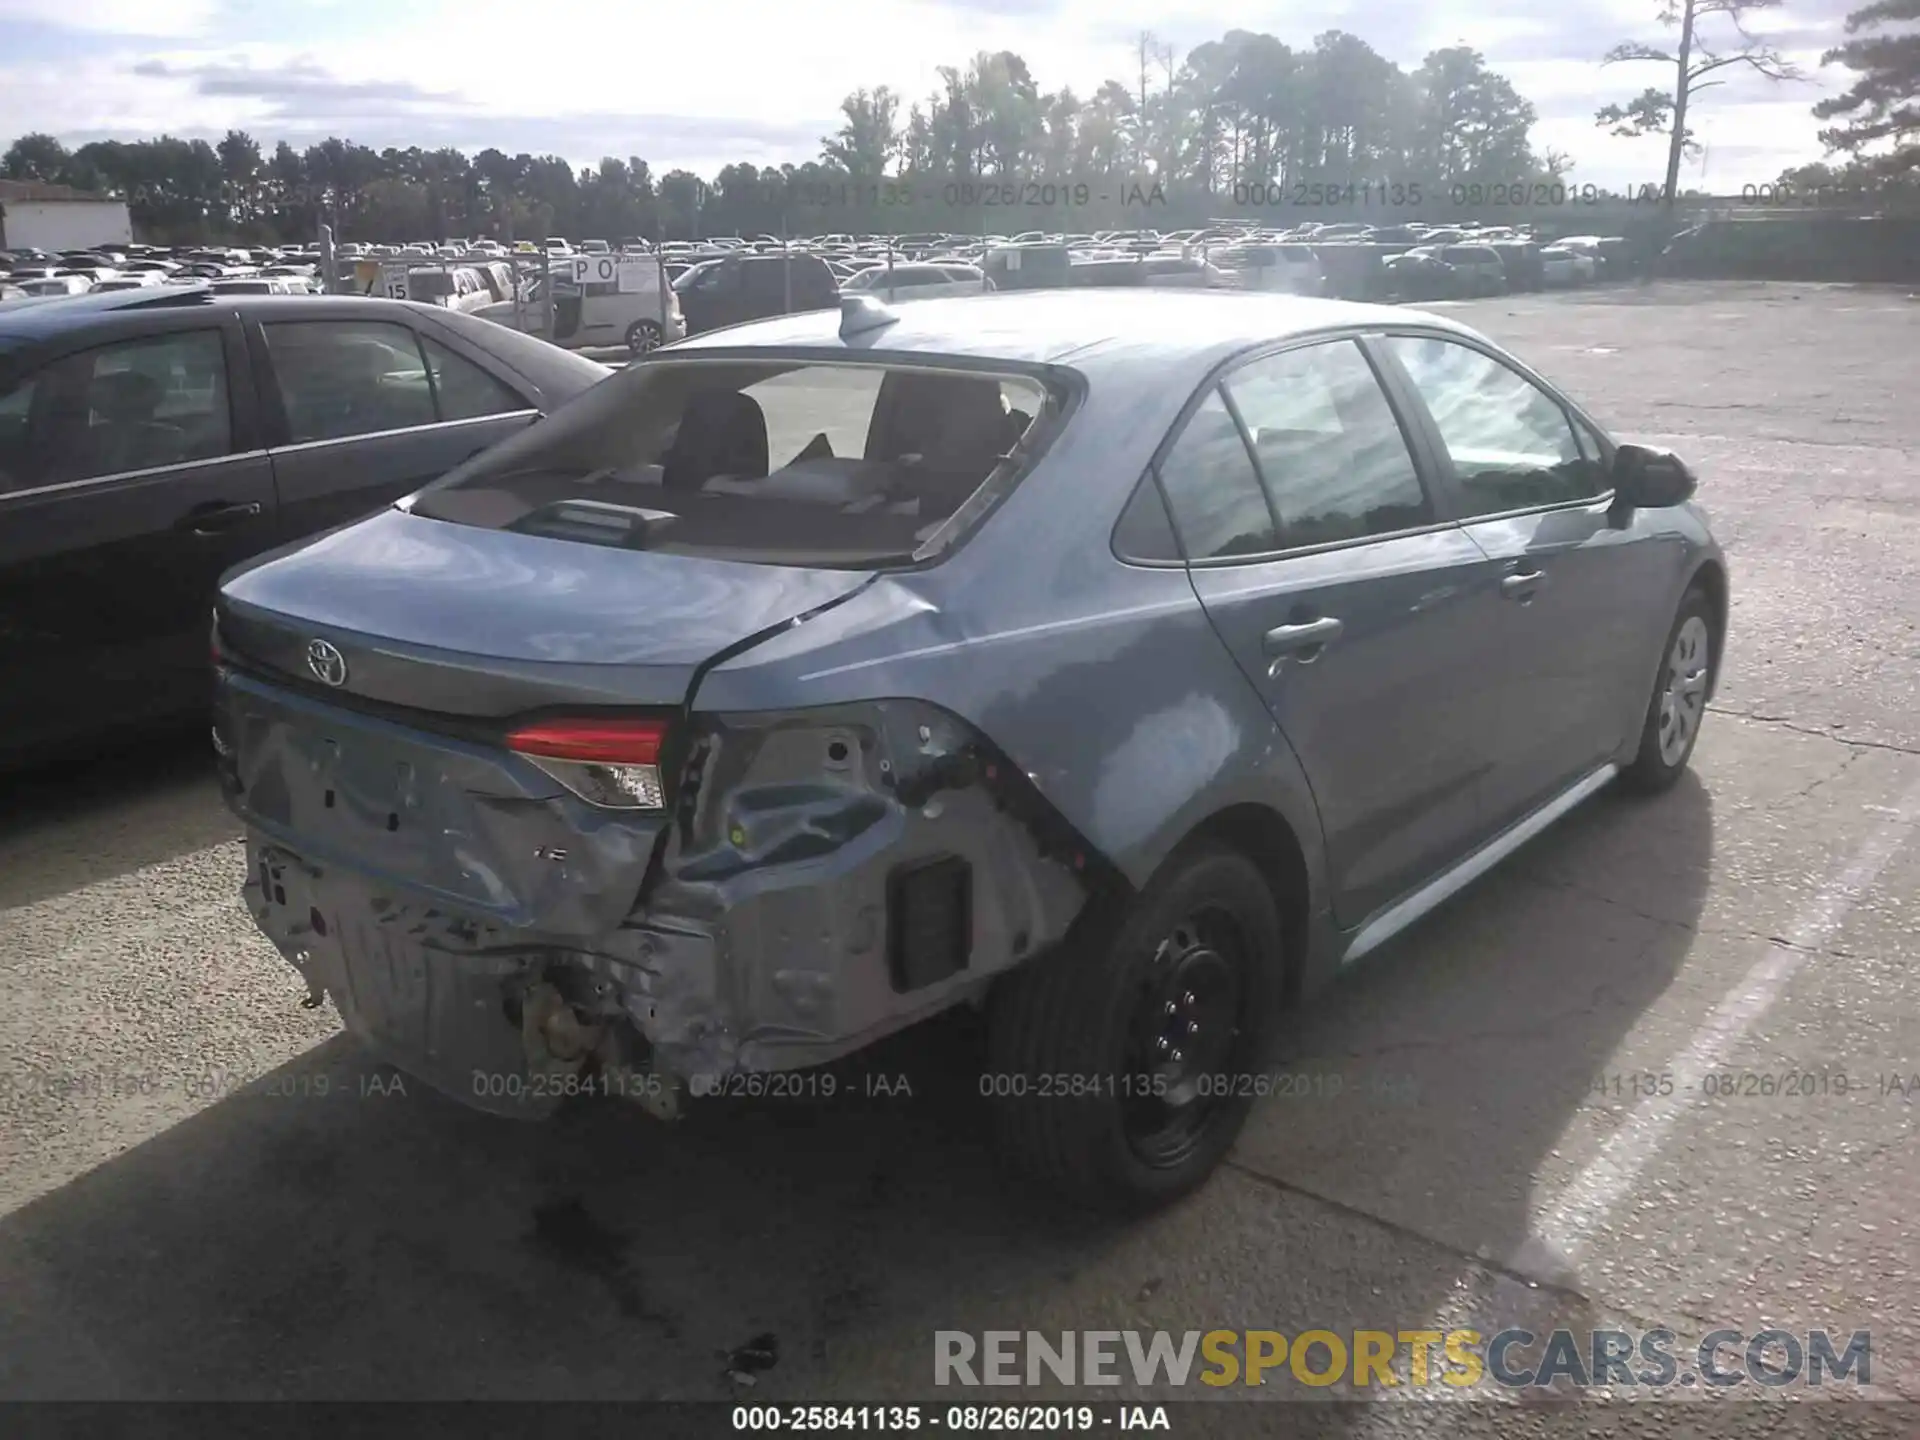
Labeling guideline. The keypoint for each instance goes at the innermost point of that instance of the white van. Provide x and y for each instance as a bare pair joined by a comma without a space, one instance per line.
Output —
630,309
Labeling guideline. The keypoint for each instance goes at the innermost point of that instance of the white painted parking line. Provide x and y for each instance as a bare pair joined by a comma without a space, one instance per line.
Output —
1570,1222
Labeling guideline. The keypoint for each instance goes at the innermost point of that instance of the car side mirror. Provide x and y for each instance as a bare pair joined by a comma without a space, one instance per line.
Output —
1647,478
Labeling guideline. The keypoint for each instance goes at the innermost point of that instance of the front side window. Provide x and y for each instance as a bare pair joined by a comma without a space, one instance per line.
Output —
1212,489
134,405
1511,444
339,378
1328,446
776,461
1592,447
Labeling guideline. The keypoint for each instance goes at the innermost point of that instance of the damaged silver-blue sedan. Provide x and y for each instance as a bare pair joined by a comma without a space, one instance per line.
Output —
1124,663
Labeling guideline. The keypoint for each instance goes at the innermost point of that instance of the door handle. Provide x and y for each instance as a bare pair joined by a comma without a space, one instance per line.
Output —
217,515
1521,587
1303,641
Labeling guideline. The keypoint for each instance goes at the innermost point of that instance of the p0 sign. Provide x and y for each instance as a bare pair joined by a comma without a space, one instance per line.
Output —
596,269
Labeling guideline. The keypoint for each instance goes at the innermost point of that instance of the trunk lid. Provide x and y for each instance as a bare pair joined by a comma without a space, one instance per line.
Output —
459,620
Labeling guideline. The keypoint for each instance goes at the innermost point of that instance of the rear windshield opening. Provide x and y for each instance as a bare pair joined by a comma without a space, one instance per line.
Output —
779,462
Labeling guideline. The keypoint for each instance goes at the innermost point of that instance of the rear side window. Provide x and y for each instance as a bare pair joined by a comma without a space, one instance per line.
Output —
340,378
462,390
769,461
135,405
16,436
1328,446
1212,489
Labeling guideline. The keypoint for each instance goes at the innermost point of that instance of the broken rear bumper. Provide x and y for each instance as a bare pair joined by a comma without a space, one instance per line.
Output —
797,911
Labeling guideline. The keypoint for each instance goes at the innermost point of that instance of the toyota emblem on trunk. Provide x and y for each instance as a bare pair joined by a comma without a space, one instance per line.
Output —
328,665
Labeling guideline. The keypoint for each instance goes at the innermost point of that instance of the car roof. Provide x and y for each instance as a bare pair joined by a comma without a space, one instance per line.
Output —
58,314
1089,330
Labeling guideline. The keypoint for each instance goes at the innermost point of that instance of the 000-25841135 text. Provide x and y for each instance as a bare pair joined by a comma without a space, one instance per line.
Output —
953,1419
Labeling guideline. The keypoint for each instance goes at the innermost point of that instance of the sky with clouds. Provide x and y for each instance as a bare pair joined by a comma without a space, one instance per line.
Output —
702,85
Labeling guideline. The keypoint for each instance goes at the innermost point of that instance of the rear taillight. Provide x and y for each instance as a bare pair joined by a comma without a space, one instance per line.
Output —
613,763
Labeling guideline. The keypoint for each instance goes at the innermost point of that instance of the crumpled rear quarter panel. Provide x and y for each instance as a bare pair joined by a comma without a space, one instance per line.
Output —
777,885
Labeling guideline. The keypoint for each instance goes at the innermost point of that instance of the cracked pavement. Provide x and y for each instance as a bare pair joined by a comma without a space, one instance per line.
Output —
221,1197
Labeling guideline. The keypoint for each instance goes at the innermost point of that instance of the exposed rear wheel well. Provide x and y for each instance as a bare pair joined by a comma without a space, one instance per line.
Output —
1266,839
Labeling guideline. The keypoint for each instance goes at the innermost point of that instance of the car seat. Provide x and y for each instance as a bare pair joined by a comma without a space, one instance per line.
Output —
123,433
722,432
956,425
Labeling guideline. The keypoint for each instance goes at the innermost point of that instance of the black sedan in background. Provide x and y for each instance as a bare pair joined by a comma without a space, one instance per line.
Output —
150,439
1420,274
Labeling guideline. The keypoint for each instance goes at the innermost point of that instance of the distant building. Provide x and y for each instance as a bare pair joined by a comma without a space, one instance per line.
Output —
59,217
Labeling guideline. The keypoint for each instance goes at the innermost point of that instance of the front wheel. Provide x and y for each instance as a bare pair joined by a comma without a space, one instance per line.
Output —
1123,1066
644,336
1679,701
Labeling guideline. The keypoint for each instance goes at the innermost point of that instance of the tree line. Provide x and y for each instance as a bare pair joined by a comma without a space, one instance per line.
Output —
1241,124
1245,109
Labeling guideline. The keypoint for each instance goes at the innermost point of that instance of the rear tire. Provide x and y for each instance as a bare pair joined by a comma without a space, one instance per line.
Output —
1122,1066
644,336
1679,702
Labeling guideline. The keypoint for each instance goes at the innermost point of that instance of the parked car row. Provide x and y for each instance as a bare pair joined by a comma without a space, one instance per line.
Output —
27,273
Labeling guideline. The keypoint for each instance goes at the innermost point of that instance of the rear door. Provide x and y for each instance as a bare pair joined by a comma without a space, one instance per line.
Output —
767,287
366,409
131,480
605,314
1361,614
1528,480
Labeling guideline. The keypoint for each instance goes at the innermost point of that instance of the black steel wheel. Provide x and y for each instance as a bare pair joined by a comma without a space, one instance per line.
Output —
1121,1068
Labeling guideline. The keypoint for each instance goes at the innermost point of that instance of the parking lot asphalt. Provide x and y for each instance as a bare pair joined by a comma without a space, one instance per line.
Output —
206,1191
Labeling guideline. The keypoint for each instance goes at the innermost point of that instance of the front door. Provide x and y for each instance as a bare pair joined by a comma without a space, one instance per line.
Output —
1529,483
1360,615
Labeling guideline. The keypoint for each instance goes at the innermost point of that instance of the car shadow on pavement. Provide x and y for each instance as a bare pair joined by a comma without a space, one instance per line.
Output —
331,1230
1483,1059
334,1230
88,818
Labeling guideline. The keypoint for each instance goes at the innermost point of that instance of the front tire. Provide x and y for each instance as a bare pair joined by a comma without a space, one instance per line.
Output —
1122,1066
1679,703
